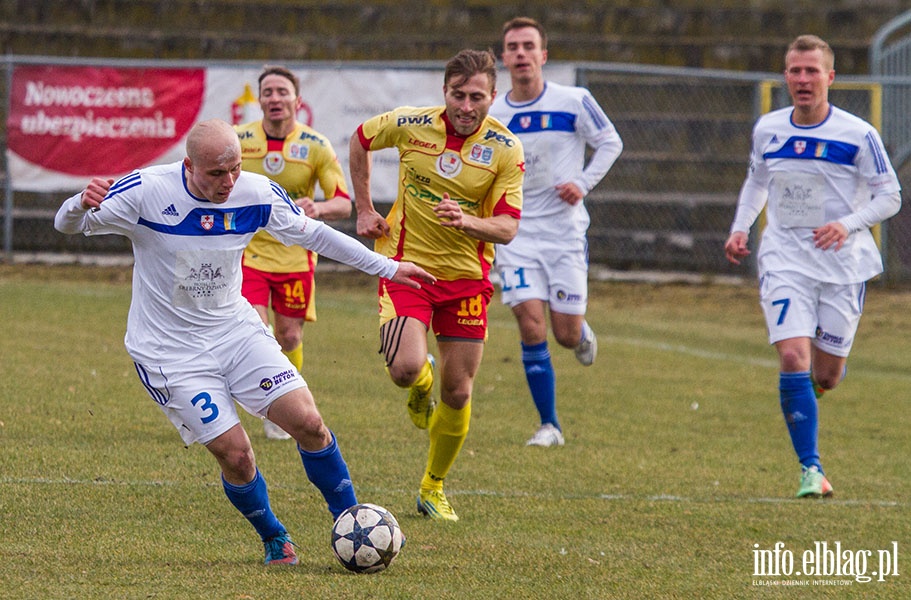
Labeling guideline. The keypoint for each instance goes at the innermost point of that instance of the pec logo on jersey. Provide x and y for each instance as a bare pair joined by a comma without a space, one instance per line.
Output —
273,163
449,165
800,146
207,222
481,154
503,139
300,151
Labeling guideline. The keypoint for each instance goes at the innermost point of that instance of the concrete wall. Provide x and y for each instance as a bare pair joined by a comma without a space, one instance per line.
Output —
746,34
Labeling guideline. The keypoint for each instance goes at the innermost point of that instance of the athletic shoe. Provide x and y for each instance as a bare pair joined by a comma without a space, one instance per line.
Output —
421,404
280,550
546,435
274,432
814,484
587,349
434,504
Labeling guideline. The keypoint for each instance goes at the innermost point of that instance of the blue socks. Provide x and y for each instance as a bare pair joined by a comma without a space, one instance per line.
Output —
539,372
798,404
326,469
252,500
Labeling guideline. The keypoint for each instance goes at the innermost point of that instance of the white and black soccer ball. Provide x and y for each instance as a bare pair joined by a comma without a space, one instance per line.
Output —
366,538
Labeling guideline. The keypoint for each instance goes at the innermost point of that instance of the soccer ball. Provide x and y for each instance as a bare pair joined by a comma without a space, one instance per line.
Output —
366,538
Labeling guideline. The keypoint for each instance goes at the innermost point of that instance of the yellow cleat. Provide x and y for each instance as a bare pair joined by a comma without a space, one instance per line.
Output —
434,504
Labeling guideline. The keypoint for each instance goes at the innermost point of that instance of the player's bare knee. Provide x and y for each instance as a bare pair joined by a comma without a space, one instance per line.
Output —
568,339
288,339
793,361
827,381
403,375
239,464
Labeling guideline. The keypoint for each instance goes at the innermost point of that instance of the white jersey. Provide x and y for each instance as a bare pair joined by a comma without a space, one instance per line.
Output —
187,251
812,176
554,129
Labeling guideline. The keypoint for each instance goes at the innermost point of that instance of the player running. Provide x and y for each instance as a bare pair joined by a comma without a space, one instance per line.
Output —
826,180
544,269
460,192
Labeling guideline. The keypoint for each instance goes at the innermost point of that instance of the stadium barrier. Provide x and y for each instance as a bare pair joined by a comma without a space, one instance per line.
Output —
666,204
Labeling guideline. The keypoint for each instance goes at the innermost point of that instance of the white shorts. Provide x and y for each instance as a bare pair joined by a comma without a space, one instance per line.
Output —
198,395
555,275
798,306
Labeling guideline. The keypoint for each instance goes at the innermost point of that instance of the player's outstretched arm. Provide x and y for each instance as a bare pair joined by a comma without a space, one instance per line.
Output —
411,275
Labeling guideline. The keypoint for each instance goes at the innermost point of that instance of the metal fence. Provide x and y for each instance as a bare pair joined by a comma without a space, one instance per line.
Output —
668,201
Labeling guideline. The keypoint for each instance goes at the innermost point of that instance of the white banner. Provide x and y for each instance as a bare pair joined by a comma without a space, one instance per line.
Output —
69,123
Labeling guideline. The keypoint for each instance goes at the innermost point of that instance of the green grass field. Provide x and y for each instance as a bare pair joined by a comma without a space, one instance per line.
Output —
676,470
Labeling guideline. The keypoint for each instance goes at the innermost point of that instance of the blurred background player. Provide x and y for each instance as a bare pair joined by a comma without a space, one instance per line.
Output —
460,192
296,157
546,266
197,344
827,179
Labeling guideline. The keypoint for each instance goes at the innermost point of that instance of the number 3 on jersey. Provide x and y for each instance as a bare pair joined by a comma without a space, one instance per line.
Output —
207,406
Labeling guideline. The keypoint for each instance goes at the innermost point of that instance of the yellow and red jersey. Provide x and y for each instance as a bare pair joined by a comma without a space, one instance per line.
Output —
296,163
483,172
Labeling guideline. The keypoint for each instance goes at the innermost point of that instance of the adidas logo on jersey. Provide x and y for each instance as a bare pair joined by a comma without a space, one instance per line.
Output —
170,211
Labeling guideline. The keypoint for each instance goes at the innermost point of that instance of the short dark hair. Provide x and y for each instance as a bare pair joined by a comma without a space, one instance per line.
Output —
809,42
521,23
283,72
468,63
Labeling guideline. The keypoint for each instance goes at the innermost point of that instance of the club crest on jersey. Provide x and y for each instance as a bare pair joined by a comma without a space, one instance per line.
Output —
299,151
207,222
800,146
273,163
449,165
525,122
481,154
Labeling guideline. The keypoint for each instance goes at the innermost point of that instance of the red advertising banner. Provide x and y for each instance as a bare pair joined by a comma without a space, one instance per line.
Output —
81,121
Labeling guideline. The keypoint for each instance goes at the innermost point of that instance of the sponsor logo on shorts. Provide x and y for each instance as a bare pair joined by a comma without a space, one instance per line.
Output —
564,296
824,336
471,322
268,383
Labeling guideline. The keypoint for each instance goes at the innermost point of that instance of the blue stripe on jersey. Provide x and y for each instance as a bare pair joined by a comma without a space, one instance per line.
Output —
283,194
594,111
538,120
124,183
807,148
877,152
216,221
